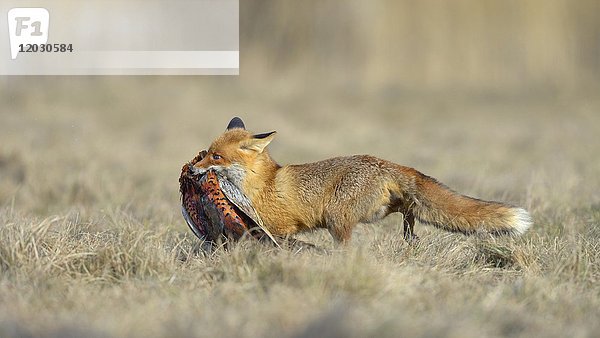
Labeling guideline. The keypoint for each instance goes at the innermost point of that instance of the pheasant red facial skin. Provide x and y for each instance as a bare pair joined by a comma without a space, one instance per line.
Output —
190,198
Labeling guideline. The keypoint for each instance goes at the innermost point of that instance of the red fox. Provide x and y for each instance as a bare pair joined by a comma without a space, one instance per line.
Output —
340,192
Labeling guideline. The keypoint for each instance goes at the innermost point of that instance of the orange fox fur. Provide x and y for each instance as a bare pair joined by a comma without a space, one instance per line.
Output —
340,192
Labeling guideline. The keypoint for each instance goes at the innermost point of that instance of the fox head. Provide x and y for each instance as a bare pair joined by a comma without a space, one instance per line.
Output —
237,152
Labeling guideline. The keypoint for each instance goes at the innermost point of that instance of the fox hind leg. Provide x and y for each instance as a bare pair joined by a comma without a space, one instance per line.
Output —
409,224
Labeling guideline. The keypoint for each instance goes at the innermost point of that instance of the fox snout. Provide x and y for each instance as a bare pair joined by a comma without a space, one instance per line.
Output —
205,164
201,167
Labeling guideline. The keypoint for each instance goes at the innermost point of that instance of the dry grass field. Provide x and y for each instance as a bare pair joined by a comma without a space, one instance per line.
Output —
92,242
498,100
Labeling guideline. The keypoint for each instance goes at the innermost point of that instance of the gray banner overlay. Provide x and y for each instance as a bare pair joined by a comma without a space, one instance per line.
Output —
126,37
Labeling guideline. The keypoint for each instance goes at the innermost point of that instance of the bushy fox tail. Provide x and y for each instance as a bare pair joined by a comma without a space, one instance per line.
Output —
439,206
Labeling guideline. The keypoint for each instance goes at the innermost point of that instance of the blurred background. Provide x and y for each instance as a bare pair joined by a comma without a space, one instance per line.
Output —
462,90
471,45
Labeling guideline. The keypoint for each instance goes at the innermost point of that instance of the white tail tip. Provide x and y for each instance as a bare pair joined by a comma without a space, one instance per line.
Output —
521,221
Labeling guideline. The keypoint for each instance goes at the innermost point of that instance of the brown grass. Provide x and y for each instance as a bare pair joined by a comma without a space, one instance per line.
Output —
92,242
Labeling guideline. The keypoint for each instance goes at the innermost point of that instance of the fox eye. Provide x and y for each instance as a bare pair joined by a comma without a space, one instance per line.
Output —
216,157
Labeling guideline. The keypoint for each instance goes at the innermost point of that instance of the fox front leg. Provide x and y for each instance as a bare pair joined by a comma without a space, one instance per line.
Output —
339,227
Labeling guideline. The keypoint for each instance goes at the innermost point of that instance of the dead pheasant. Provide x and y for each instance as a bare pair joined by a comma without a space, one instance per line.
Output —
215,209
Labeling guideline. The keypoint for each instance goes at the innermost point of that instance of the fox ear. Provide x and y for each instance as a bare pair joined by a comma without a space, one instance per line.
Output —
236,122
259,142
263,135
